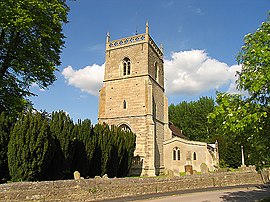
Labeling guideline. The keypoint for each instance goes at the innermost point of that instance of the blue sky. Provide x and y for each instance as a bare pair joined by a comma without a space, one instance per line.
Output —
201,39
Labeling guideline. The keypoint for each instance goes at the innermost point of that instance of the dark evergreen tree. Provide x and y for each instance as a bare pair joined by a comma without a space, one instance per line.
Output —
130,145
86,143
104,146
30,147
114,151
62,129
5,127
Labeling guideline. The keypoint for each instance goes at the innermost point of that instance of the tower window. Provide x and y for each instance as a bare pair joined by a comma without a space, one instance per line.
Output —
176,154
125,128
126,66
124,104
194,156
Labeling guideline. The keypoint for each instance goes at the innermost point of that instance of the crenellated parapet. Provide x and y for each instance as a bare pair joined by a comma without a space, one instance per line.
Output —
125,41
133,40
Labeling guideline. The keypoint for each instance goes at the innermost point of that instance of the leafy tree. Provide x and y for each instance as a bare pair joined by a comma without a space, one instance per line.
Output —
30,147
31,41
191,117
254,57
246,119
240,123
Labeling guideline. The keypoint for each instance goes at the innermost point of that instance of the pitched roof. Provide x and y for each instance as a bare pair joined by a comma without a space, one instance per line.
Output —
176,131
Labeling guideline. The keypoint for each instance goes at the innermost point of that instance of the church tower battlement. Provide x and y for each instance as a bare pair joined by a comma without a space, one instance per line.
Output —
132,97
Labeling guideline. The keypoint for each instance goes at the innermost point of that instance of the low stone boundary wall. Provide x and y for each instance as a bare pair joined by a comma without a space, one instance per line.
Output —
99,189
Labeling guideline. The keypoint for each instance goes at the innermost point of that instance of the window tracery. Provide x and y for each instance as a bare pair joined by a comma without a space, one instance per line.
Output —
176,154
126,66
125,128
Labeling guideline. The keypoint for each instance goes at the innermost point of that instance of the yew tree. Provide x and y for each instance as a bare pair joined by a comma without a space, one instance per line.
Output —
31,40
30,147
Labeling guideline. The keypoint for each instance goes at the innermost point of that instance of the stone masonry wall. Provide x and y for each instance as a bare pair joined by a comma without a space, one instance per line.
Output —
99,189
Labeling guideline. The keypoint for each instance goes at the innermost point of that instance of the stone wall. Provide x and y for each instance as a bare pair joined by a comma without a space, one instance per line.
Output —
98,189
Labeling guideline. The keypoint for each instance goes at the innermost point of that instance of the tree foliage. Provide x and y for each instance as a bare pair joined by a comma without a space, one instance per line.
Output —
29,148
31,41
245,120
62,129
41,146
5,127
255,60
191,117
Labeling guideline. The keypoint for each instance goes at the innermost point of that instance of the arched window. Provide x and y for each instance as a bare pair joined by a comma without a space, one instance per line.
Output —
125,127
156,71
194,156
176,154
126,66
124,104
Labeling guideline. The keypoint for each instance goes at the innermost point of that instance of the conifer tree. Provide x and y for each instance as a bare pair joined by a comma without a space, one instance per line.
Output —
104,135
5,126
86,143
130,144
30,147
62,129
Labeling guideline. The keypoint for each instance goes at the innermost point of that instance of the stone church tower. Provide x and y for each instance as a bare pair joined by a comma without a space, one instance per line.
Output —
132,97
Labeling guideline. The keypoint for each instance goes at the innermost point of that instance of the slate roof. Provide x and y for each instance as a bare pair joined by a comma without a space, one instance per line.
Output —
176,132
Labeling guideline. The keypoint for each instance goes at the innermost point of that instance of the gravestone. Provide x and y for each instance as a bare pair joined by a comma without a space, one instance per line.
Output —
204,168
77,175
168,173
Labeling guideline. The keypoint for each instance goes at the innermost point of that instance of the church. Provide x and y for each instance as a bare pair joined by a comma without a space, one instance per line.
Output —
133,98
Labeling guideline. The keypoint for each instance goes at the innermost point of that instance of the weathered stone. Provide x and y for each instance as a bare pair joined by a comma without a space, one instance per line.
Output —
133,97
168,173
93,190
97,177
105,176
204,168
77,175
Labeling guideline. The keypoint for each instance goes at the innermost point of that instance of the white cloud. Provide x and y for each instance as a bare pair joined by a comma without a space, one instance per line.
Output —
194,72
186,73
88,79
